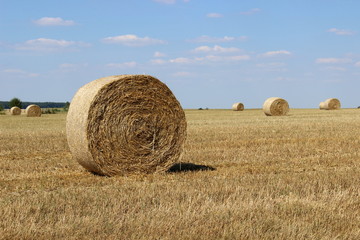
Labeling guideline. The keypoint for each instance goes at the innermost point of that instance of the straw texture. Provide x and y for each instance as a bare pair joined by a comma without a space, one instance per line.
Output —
275,106
125,124
33,111
238,107
15,111
332,104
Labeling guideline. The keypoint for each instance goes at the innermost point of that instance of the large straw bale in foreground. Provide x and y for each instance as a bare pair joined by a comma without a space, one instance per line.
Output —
275,106
33,111
15,111
125,124
238,107
331,104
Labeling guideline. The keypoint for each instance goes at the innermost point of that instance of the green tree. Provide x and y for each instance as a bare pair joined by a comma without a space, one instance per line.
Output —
66,107
1,108
15,102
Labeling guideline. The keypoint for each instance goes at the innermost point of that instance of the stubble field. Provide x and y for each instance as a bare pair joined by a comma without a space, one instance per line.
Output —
291,177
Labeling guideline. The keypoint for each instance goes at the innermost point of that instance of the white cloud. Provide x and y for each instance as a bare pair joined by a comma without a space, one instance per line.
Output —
133,40
210,58
122,65
215,49
20,73
273,66
276,53
181,74
53,21
208,39
333,68
357,64
333,60
157,61
166,1
159,54
251,11
213,58
67,65
181,60
284,79
71,67
47,44
214,15
341,31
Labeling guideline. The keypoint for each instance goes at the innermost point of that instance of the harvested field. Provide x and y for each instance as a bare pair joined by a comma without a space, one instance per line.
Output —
289,177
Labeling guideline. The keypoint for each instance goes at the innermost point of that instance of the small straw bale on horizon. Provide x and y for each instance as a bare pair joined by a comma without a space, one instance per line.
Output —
15,111
275,106
330,104
238,107
33,111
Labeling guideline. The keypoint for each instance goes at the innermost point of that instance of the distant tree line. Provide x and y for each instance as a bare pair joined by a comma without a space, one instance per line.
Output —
6,104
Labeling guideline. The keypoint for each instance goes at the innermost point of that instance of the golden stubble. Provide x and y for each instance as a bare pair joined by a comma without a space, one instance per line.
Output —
287,177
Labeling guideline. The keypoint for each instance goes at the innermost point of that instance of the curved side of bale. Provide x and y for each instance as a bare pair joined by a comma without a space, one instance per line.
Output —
238,107
322,106
33,111
15,111
275,106
332,104
125,124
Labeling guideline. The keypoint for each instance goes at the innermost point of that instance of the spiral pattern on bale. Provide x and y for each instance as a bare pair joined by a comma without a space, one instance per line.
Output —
238,107
125,124
15,111
332,104
275,106
33,111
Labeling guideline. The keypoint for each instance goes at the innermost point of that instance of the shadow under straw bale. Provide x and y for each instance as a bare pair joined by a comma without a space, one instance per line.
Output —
189,167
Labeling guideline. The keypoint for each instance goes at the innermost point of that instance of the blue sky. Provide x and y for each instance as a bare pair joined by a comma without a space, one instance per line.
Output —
211,53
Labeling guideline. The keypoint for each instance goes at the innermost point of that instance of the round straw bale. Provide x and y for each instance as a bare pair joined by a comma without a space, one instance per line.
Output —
125,124
15,111
275,106
238,107
33,111
332,104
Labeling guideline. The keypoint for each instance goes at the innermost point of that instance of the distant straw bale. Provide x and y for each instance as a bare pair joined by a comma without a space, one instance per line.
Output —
238,107
125,124
15,111
332,104
33,111
275,106
322,106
